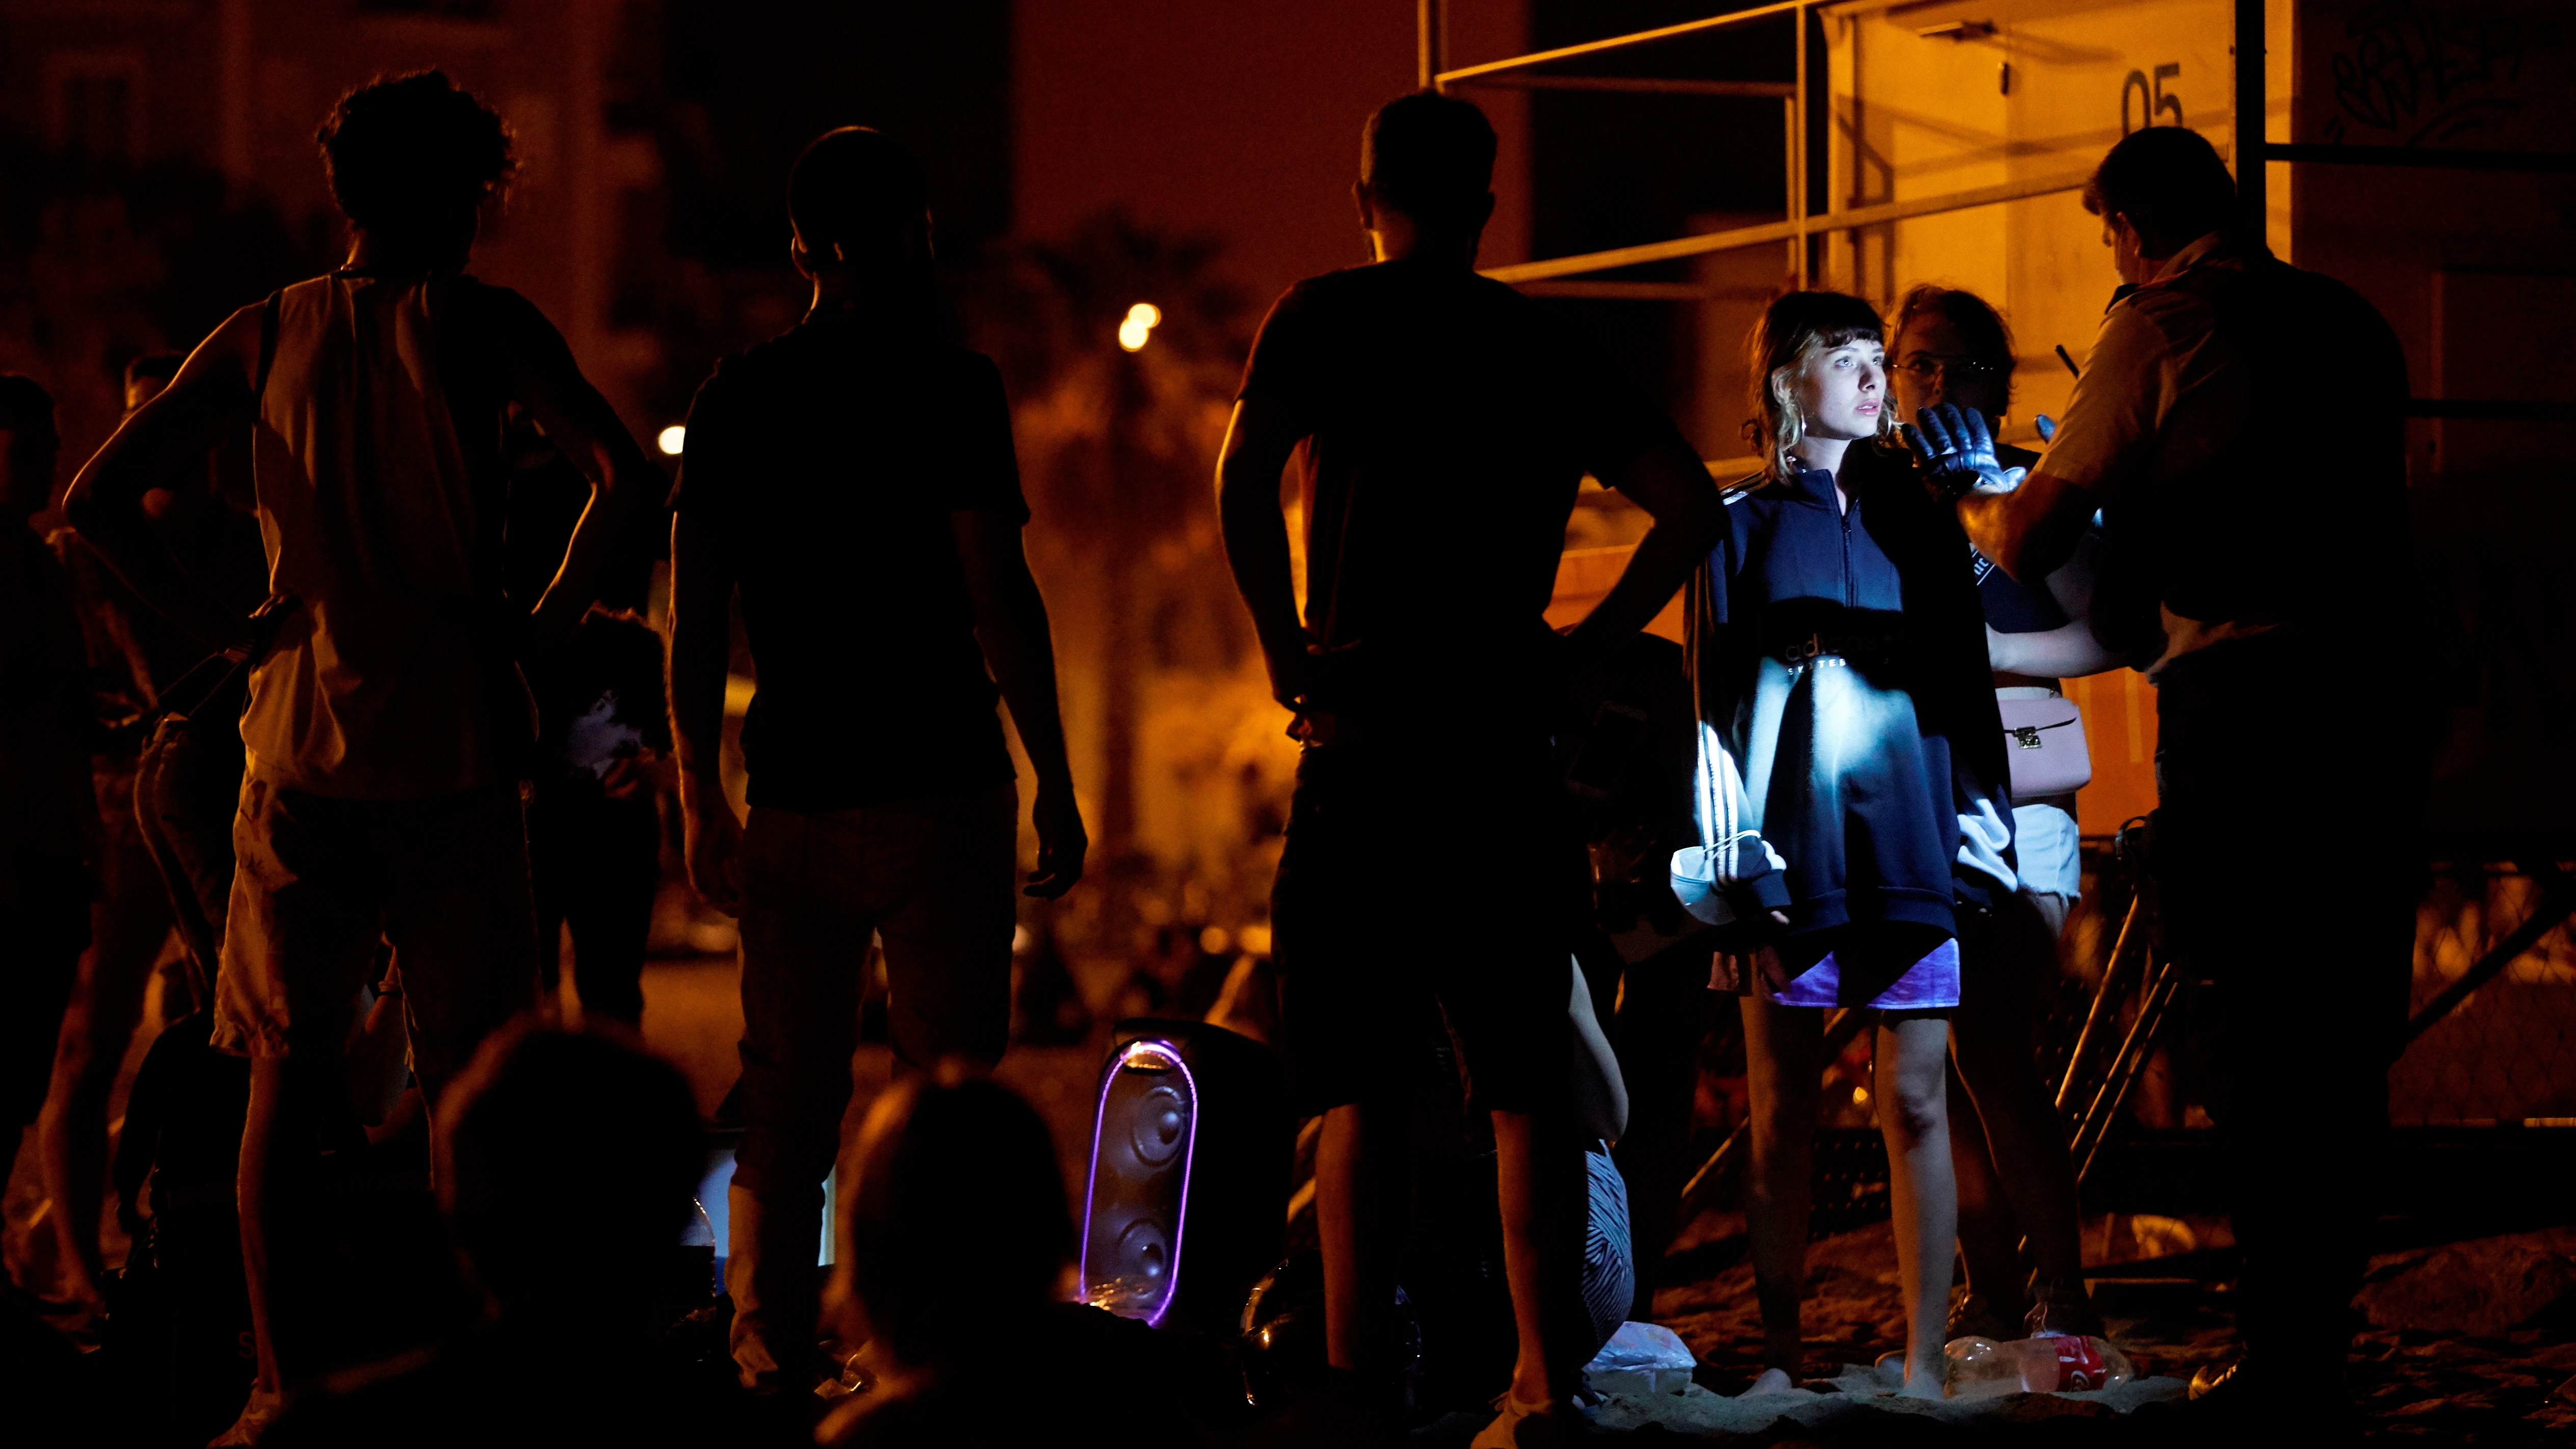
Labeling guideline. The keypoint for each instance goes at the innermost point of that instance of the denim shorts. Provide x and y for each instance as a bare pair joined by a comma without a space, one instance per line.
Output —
2045,851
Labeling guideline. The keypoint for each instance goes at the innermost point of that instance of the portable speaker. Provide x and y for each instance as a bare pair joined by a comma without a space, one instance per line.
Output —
1190,1156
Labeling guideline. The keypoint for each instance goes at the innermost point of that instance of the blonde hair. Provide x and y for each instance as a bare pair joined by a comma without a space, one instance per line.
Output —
1794,329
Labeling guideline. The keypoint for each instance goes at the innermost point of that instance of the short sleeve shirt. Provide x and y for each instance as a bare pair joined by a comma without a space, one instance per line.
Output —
2241,423
1446,431
2157,395
830,462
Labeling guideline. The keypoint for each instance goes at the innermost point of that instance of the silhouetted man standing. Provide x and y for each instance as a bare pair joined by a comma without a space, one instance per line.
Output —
855,479
1445,430
387,729
2240,426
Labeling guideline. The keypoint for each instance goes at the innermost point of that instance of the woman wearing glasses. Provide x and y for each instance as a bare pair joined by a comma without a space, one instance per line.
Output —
2008,1145
1851,794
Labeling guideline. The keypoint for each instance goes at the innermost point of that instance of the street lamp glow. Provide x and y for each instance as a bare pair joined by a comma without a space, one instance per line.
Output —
670,439
1141,321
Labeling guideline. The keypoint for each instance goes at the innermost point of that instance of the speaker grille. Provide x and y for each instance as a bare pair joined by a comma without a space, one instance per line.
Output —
1136,1211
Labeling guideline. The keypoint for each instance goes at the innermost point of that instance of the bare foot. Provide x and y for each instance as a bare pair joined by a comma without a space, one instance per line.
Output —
1772,1381
1923,1381
256,1417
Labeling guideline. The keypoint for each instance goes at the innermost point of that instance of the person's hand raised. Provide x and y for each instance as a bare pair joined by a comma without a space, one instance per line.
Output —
1957,450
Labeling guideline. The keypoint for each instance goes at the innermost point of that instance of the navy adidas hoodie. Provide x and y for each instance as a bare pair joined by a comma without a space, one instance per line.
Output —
1848,721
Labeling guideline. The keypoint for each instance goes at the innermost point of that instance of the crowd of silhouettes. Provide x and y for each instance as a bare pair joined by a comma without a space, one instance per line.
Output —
332,698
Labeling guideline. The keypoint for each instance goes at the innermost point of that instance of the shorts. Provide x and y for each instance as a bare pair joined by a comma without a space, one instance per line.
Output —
2046,852
1412,877
318,881
1929,983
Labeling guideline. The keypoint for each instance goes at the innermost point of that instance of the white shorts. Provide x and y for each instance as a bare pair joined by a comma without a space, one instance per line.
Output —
2045,851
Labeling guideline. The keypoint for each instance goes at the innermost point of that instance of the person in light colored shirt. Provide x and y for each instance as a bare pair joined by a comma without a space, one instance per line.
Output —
2239,426
387,729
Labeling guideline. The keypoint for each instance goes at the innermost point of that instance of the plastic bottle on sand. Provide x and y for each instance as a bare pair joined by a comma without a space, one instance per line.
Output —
1981,1367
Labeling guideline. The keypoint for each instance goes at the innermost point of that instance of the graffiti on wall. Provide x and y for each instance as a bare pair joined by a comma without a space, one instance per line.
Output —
2407,75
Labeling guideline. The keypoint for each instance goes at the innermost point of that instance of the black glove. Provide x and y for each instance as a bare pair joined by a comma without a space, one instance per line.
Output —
1958,450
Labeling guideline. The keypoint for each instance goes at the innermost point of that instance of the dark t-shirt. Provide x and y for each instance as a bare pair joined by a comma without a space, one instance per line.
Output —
1447,427
829,461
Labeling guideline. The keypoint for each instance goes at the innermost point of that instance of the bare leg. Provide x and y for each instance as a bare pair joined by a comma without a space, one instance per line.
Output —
288,1097
72,1129
1359,1215
1989,1233
1540,1173
1664,1010
1923,1195
1991,1033
128,930
1782,1046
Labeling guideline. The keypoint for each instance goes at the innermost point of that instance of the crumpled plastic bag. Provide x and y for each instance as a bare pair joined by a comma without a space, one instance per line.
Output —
1641,1358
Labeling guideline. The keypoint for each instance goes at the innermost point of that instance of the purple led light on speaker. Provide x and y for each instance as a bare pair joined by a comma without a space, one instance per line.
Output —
1113,1294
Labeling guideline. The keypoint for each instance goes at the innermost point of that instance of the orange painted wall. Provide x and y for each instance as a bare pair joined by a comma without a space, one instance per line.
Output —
1238,121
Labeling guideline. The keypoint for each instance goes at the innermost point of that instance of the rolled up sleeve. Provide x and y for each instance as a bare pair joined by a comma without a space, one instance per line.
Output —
2110,423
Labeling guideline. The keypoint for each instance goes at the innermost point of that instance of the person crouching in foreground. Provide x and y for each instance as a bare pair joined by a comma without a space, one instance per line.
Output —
566,1173
958,1240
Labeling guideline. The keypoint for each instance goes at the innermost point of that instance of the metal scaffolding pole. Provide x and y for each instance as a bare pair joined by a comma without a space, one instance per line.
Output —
2249,157
1772,231
1642,84
1619,42
1805,248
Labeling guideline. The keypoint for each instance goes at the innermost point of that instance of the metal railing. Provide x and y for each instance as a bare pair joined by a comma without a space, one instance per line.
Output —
1792,94
2249,149
2090,1095
2249,145
1797,228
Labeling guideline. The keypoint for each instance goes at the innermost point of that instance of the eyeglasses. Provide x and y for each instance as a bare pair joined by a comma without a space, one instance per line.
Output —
1923,367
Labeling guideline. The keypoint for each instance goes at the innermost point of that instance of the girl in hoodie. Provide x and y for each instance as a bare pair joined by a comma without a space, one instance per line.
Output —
1852,795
